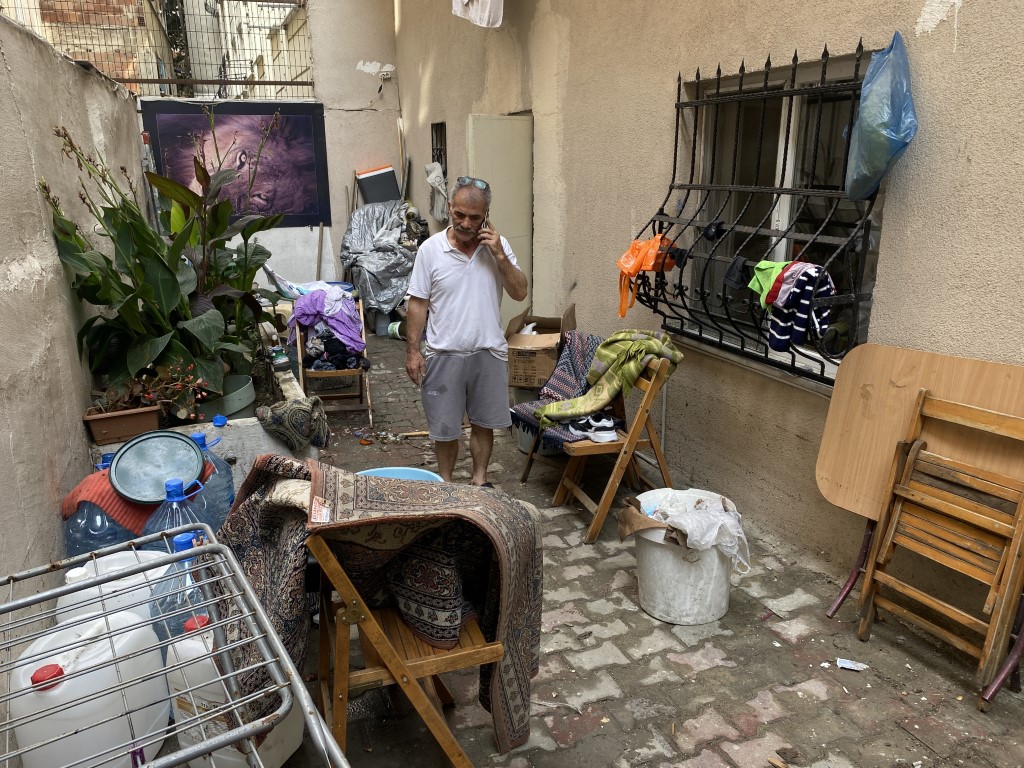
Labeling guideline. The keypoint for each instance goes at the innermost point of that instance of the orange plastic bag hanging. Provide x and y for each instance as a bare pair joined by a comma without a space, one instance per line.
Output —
643,256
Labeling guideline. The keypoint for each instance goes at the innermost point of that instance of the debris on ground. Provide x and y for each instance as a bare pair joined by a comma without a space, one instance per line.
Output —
856,666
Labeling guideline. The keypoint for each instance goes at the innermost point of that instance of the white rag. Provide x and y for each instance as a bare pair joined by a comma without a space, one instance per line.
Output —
483,13
438,192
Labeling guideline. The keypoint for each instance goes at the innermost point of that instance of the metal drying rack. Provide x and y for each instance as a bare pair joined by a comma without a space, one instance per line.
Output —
258,678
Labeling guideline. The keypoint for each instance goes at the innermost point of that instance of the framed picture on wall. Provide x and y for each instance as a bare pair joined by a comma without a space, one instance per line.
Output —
278,149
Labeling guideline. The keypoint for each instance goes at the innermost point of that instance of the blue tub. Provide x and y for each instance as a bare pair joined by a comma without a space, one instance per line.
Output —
404,473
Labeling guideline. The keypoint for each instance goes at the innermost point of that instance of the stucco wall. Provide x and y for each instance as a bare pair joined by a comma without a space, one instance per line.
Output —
361,124
600,80
43,387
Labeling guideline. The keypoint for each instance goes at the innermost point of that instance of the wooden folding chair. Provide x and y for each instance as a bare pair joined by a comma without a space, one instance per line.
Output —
650,382
307,374
962,517
392,655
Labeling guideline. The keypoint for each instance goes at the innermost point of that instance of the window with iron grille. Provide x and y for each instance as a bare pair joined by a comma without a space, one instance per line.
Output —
439,146
767,159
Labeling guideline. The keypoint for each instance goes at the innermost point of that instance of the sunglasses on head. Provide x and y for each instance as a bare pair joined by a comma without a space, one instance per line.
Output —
465,181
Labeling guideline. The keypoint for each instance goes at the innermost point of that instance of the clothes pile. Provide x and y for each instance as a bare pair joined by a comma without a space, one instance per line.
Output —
790,288
327,352
336,341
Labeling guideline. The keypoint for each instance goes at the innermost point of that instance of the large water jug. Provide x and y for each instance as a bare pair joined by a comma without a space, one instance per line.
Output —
218,493
176,510
176,597
72,695
129,593
90,528
197,689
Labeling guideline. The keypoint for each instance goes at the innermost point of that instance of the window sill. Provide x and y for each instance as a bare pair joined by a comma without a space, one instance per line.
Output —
792,379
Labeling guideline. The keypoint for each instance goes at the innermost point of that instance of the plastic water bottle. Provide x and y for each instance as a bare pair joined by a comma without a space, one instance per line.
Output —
90,528
218,493
175,511
176,598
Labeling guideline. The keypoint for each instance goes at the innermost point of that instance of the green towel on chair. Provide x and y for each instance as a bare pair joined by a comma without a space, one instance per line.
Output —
618,363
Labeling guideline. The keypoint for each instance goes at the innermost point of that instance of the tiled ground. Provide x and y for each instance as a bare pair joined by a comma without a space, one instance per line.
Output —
619,688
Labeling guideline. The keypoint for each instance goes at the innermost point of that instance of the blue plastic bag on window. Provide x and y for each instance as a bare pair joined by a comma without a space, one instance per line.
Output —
885,123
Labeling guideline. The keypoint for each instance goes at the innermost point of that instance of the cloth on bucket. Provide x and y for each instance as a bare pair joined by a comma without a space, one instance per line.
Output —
694,518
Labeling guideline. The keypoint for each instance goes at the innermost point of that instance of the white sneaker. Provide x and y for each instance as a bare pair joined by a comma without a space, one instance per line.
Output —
585,428
604,435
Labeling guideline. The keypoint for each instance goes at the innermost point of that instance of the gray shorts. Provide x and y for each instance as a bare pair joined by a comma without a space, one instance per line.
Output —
475,384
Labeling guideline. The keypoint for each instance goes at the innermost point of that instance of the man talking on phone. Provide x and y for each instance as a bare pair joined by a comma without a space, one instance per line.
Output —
455,293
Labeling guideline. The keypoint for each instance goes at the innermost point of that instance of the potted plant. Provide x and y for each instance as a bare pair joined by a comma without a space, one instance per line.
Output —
160,396
164,303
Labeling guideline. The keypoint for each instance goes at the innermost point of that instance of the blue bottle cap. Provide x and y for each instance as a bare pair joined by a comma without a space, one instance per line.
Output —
200,439
184,541
174,490
220,420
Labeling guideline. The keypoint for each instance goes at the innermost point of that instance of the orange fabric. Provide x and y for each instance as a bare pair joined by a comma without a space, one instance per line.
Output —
96,488
643,256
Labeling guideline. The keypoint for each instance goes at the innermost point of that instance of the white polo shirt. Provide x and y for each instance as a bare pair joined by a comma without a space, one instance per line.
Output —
464,294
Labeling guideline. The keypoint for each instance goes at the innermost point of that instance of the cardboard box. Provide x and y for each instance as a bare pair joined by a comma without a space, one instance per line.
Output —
532,357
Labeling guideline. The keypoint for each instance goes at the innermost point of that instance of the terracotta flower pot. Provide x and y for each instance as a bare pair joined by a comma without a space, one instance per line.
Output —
118,426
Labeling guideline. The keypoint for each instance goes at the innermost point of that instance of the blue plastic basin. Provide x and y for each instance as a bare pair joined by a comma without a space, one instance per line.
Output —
404,473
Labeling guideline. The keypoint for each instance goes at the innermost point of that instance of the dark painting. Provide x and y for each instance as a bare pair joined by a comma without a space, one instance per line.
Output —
288,175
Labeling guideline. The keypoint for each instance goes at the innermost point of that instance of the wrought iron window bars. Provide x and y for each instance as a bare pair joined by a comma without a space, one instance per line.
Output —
767,169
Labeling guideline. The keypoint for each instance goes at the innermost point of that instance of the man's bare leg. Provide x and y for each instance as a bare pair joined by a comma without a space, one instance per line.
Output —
447,451
481,441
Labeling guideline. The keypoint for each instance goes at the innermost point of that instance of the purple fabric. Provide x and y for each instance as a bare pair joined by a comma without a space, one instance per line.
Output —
309,310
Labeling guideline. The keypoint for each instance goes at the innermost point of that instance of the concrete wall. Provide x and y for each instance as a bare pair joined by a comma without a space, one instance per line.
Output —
43,387
600,81
361,124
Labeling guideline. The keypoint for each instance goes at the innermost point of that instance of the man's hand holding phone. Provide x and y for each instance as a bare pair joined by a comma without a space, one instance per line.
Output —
489,236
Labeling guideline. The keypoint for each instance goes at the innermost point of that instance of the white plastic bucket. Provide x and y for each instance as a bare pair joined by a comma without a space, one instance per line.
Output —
681,585
78,709
199,672
129,593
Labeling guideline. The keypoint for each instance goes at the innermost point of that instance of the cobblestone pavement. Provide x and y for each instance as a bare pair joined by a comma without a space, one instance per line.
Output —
619,688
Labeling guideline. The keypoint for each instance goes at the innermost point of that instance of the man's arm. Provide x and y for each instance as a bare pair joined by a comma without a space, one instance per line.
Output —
512,277
415,322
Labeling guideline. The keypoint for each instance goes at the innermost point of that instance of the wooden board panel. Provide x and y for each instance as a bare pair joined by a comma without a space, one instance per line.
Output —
872,403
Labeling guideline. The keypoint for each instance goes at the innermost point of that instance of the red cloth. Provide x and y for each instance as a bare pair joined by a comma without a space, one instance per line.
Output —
96,488
773,292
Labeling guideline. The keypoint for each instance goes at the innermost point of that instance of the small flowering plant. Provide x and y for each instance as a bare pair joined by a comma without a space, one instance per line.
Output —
175,388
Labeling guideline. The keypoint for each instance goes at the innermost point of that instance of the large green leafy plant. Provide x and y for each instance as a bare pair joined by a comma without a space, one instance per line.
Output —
183,300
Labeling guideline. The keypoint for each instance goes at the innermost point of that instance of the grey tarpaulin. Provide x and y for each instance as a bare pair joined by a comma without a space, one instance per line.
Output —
378,266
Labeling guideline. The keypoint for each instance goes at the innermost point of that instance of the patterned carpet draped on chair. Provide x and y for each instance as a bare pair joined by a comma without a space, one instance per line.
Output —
567,381
391,531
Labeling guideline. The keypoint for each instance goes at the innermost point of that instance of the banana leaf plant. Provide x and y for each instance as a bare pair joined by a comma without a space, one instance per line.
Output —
200,217
180,300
